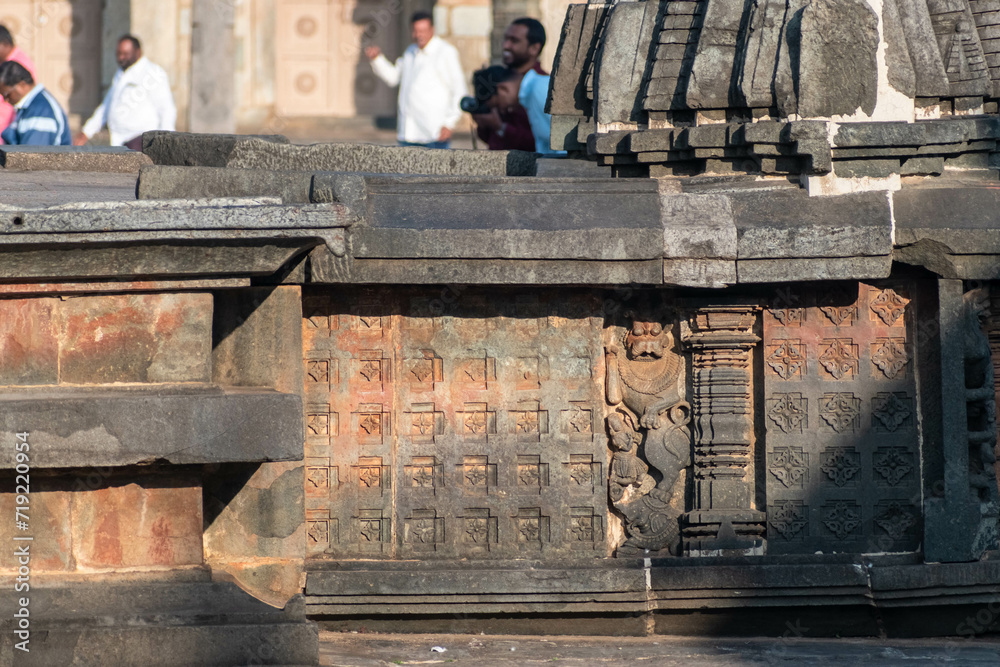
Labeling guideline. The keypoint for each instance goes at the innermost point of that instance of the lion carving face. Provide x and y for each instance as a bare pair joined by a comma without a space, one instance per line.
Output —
647,341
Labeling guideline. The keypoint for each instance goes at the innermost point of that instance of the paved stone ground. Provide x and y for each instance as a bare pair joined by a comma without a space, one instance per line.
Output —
371,650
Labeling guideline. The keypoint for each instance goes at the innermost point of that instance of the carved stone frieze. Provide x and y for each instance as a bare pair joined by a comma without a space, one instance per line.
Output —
980,391
643,385
842,430
454,424
721,340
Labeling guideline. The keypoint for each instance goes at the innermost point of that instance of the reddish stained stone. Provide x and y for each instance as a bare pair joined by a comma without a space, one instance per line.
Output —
107,545
28,346
136,338
136,526
52,547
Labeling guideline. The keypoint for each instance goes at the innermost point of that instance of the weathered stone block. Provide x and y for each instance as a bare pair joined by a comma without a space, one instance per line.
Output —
137,525
81,427
257,338
698,226
258,154
51,528
29,350
257,536
187,149
106,159
838,72
874,168
166,182
136,338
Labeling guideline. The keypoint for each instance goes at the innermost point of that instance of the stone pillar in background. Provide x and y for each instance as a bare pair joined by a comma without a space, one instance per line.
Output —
213,67
721,340
505,11
116,20
955,515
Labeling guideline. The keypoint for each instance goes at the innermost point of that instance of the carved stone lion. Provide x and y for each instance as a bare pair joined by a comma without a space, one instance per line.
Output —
651,419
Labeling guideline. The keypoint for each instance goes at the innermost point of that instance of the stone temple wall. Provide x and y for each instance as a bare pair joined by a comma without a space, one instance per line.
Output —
270,388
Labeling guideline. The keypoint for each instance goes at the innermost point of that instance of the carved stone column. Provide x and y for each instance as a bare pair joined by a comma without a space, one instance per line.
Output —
720,340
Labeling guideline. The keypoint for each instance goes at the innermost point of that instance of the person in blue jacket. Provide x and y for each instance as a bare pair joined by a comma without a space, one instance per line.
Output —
528,90
38,118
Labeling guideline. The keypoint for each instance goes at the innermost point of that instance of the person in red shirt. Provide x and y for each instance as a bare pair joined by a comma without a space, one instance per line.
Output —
8,51
510,129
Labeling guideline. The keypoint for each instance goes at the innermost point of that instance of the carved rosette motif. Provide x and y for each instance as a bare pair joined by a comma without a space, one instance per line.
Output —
895,518
840,358
890,411
890,356
893,464
788,518
456,387
889,306
842,519
787,359
841,411
844,443
841,465
789,465
789,412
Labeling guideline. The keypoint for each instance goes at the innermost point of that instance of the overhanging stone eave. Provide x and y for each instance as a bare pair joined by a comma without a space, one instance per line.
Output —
108,427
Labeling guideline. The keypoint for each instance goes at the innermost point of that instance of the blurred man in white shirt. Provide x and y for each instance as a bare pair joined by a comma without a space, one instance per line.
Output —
138,100
431,85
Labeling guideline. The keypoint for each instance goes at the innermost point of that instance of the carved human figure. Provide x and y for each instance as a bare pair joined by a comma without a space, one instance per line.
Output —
980,397
642,381
627,469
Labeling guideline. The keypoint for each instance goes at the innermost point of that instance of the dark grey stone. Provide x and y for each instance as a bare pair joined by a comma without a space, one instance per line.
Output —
258,154
952,514
570,168
73,427
698,226
713,273
110,218
53,257
838,72
619,73
928,67
789,224
821,268
257,338
897,54
881,134
37,189
712,71
158,623
489,272
961,218
107,159
873,168
188,149
563,137
574,59
922,166
581,203
161,182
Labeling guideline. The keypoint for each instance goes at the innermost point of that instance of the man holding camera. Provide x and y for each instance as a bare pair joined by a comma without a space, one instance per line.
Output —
510,129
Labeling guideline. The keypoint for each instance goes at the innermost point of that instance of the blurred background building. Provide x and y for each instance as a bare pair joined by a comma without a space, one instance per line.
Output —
285,66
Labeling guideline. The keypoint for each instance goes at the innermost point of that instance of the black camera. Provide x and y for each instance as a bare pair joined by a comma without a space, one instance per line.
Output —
484,86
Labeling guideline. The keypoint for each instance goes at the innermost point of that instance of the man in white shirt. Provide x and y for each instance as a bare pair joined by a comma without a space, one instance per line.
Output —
138,100
431,85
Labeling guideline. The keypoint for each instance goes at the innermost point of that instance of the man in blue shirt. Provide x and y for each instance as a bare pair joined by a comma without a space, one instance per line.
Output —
528,90
38,118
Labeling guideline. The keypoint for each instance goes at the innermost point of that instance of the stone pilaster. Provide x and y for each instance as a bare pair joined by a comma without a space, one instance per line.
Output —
723,522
